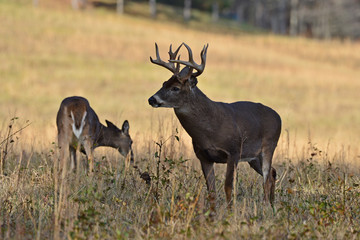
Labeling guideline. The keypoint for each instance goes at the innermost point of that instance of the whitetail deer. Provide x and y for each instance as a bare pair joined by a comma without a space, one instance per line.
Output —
220,132
79,126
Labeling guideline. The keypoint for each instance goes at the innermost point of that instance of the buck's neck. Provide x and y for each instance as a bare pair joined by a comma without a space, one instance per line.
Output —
197,115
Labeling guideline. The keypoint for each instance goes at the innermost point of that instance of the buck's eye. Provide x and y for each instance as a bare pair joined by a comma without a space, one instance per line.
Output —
175,89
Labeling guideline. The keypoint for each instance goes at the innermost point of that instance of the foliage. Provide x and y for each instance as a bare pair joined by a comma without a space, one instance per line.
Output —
7,143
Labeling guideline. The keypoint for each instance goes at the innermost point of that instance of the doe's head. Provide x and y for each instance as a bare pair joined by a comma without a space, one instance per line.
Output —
120,139
174,91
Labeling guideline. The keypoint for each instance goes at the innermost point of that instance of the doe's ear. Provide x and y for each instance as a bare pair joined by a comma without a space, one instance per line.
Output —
110,124
192,81
125,127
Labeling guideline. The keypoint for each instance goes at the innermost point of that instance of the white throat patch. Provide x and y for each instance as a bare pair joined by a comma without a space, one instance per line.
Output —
77,132
158,99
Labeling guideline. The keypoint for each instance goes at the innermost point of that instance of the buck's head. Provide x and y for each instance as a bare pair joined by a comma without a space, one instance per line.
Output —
175,91
120,138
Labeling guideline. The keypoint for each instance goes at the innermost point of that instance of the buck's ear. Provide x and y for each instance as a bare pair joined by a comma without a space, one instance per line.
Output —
125,127
192,81
110,124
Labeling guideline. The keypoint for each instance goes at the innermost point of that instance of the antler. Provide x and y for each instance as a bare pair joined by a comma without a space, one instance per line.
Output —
168,65
191,63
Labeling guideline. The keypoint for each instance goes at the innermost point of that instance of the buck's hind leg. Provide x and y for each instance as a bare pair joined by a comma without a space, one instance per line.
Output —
269,175
272,189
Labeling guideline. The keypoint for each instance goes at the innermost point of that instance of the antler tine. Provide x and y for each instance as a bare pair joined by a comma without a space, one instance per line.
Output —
203,59
191,63
191,59
203,54
168,65
178,65
173,55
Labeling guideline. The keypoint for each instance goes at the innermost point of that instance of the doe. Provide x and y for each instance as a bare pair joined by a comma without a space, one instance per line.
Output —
79,126
221,132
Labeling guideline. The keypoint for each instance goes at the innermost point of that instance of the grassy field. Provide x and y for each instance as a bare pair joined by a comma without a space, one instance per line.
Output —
51,52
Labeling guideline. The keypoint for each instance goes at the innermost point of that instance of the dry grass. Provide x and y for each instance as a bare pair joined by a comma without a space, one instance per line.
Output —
48,53
317,196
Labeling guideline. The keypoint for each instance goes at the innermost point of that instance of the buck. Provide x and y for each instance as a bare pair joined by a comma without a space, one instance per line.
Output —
221,132
78,125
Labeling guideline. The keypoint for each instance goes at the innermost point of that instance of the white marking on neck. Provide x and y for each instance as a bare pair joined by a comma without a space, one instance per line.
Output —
77,132
183,110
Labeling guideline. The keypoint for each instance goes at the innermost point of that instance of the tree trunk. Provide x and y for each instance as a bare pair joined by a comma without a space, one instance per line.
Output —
274,16
75,4
120,7
215,11
240,12
152,8
278,16
324,21
282,17
259,13
187,10
294,17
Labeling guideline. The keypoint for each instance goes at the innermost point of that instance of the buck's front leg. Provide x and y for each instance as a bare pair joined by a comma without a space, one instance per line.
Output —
209,174
229,180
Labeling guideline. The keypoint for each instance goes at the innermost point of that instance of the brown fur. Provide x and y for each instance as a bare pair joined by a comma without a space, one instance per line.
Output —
221,132
94,134
77,107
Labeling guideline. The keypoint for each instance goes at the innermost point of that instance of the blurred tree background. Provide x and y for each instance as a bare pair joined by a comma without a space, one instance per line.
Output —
321,19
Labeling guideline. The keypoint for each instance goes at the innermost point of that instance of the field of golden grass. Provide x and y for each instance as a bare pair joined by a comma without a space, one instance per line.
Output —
51,52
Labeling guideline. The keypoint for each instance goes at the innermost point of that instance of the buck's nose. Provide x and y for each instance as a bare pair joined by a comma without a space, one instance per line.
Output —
152,101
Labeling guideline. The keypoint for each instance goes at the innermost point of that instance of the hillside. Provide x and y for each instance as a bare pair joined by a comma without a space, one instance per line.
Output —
51,52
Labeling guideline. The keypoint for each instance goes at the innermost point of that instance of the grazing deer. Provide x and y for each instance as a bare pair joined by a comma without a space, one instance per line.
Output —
221,132
78,125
